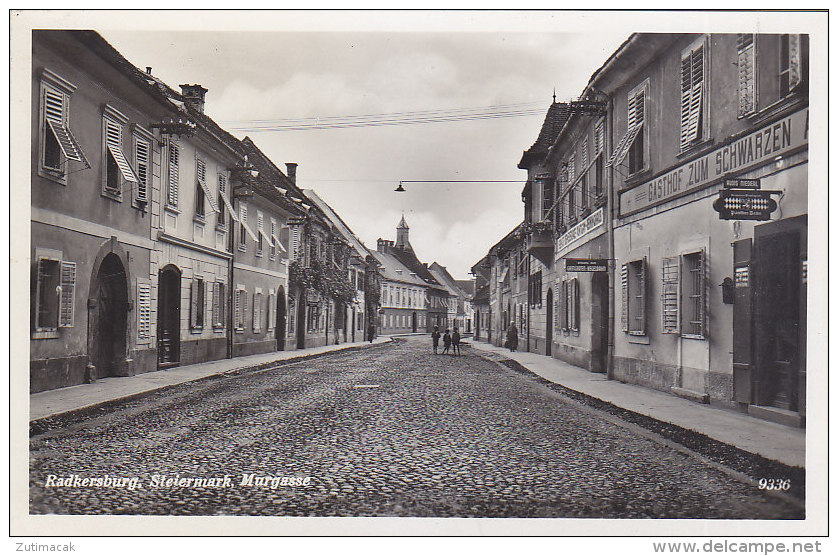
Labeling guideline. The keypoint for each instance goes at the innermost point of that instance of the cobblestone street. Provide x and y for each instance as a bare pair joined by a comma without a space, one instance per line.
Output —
391,430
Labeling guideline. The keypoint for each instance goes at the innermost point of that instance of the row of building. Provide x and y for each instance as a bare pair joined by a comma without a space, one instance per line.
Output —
158,239
646,251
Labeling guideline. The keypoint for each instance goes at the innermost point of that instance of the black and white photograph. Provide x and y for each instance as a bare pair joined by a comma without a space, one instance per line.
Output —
460,273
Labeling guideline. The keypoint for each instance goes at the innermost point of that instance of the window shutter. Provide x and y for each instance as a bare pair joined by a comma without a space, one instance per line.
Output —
143,311
641,328
746,61
216,304
55,116
599,137
54,106
794,61
174,161
702,289
575,283
142,169
238,309
66,313
584,154
624,301
113,138
692,84
670,296
244,307
563,298
193,304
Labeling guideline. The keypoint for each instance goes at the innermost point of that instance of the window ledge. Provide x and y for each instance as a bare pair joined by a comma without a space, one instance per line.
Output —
696,149
242,248
112,195
196,330
792,102
635,178
140,205
693,337
53,175
198,219
171,209
45,334
221,227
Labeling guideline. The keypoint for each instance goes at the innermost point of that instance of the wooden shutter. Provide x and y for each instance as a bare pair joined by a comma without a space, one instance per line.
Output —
174,163
702,290
692,85
743,322
564,308
670,295
142,169
193,304
576,296
238,309
599,137
55,116
143,312
641,326
584,154
624,298
113,137
746,62
66,312
794,61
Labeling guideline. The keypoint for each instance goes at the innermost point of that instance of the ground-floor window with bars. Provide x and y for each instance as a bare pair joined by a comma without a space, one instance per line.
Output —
684,295
569,305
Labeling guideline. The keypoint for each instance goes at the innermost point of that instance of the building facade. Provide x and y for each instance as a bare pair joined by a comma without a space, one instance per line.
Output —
403,296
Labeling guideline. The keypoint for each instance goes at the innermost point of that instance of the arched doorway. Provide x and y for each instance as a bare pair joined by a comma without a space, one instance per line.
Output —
413,321
108,317
168,317
301,322
281,319
549,333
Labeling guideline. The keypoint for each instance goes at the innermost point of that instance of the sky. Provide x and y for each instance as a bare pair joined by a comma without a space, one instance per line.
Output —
338,68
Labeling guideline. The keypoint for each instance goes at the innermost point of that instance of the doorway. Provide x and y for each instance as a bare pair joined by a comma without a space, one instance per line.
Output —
599,322
108,317
281,319
780,324
168,317
413,321
548,335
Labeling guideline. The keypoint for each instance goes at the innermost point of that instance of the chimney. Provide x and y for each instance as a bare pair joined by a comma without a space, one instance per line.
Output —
194,95
148,70
382,245
291,170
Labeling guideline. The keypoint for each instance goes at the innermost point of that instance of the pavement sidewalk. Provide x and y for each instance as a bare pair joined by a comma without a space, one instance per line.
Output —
770,440
63,400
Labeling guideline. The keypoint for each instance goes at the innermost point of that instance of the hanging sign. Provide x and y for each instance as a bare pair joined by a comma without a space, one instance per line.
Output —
586,265
745,204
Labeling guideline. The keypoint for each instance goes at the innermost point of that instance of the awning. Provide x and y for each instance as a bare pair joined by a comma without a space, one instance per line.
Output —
208,194
503,275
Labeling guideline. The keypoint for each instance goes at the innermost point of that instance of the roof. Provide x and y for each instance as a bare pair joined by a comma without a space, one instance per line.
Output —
467,286
271,179
557,115
452,290
338,222
390,266
403,224
481,296
408,258
509,240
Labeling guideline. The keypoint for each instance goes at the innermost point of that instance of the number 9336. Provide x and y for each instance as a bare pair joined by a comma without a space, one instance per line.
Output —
774,484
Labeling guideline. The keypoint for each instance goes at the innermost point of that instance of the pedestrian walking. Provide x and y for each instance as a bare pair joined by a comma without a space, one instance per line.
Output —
446,341
455,340
435,339
512,337
371,332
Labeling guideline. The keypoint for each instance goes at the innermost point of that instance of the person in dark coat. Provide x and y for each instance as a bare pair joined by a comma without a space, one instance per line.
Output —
512,337
371,332
455,340
446,341
435,339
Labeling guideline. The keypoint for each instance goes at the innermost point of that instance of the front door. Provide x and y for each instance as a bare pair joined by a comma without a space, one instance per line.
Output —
109,318
780,305
599,322
168,318
549,332
281,319
301,322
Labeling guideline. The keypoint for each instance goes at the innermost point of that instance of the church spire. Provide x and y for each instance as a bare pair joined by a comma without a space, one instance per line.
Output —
402,231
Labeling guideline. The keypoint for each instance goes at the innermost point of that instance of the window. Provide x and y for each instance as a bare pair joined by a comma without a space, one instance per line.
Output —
547,195
571,204
257,310
633,284
219,305
117,170
200,209
790,71
636,146
142,162
583,180
313,317
570,305
670,296
244,229
693,294
274,239
260,233
197,304
57,142
54,291
746,62
174,174
534,289
693,93
271,310
240,308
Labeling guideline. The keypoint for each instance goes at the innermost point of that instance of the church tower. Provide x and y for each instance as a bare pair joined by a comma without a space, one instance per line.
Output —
402,231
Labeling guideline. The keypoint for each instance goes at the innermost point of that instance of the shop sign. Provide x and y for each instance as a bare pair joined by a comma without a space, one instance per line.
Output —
740,277
741,155
586,229
745,204
586,265
741,183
